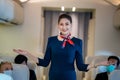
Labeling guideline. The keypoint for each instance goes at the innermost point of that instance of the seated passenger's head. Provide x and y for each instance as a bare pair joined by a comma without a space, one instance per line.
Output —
114,60
20,59
6,68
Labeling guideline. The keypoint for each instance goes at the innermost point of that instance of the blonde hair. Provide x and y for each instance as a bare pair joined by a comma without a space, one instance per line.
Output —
6,62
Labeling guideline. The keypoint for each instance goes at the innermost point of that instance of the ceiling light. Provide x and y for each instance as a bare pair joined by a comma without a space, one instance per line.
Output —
73,9
24,1
62,8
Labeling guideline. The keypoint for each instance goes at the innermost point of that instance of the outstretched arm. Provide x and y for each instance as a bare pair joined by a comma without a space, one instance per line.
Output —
26,53
104,63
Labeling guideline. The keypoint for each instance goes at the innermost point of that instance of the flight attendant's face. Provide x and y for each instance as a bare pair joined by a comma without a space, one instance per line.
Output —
64,26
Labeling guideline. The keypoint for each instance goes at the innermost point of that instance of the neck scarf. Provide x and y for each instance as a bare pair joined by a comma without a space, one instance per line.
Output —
66,39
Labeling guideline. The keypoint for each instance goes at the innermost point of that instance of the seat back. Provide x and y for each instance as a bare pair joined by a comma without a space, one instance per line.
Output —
20,72
115,75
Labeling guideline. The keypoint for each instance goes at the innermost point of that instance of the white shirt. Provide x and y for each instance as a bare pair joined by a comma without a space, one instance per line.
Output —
101,69
5,77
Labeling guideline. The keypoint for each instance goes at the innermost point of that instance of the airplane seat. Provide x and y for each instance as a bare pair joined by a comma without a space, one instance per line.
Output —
115,75
20,72
31,65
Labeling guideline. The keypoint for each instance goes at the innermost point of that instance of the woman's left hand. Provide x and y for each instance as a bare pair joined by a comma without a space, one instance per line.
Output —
104,63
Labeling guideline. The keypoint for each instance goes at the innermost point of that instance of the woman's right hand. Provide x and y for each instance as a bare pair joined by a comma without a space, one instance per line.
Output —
19,51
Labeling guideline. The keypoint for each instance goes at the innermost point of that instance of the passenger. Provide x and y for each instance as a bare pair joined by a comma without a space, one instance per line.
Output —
103,71
6,71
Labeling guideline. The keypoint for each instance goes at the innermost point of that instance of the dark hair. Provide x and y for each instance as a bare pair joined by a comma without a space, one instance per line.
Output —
20,59
65,16
114,57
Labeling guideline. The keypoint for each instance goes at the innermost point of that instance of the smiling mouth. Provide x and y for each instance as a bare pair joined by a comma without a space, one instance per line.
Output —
64,30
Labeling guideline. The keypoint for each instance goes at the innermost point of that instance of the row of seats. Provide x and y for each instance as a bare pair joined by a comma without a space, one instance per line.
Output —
20,72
